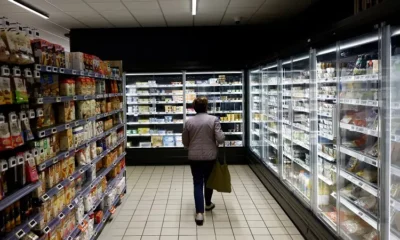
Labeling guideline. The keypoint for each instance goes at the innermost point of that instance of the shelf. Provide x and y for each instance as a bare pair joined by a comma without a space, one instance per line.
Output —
395,170
255,133
301,164
327,80
156,102
359,182
156,86
152,94
231,121
360,156
58,99
301,127
7,201
326,156
82,169
301,109
288,155
297,82
357,211
153,123
47,131
363,130
325,114
21,230
301,144
51,69
153,134
153,113
271,144
326,98
395,204
217,93
327,220
273,104
47,163
359,102
271,129
327,136
360,78
326,180
215,85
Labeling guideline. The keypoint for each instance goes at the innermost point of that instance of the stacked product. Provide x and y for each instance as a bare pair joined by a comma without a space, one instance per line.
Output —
62,141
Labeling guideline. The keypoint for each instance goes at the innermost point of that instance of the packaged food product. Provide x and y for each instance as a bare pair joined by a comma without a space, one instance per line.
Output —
49,85
45,116
4,52
66,140
20,91
40,48
67,87
5,135
18,45
66,112
59,56
81,86
5,91
31,171
15,130
26,127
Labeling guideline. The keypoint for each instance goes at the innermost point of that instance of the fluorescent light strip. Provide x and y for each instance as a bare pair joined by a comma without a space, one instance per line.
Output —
396,32
194,7
329,50
301,58
287,62
26,7
272,66
255,71
359,42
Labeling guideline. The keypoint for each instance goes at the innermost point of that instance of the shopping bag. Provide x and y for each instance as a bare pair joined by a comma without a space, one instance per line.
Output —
220,178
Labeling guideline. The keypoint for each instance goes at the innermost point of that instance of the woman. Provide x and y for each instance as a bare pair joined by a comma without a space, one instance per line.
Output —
201,136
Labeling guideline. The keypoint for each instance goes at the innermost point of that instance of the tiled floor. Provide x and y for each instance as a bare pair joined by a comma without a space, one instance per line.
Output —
159,205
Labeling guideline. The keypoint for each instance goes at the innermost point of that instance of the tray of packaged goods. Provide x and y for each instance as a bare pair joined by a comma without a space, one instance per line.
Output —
355,128
83,73
359,182
359,102
55,190
66,154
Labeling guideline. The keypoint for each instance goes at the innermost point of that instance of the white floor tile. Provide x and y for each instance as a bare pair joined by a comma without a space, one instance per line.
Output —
150,237
278,231
263,237
259,231
131,237
297,237
241,231
256,224
187,231
169,231
169,237
170,224
187,237
223,231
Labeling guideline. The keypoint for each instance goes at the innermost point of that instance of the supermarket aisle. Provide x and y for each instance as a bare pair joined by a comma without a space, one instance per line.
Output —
159,205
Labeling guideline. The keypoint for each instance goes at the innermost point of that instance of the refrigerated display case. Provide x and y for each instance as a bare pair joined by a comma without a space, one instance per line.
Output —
158,104
340,132
224,91
255,105
154,110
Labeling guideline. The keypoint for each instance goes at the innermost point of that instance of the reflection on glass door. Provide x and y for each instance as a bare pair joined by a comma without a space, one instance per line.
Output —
270,96
327,142
255,112
359,115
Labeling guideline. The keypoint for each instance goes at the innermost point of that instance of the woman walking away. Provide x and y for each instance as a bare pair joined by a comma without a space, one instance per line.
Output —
201,136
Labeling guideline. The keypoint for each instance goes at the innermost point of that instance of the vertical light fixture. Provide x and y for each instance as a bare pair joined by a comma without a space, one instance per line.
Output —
30,8
194,7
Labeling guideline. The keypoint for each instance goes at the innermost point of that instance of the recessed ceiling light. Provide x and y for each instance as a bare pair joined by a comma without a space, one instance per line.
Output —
194,7
30,8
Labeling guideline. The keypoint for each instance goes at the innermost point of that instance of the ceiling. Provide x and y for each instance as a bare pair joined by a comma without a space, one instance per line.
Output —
69,14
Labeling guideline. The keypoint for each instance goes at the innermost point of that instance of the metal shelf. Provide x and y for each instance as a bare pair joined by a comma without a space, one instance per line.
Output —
156,86
363,130
360,156
57,99
327,136
153,123
47,131
360,78
24,228
326,156
215,85
7,201
271,144
359,102
51,69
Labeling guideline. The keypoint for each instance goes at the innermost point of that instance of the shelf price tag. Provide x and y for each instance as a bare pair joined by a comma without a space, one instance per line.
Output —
83,226
112,210
32,223
20,233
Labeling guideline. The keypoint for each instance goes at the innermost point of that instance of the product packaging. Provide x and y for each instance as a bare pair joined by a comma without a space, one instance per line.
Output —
5,134
66,112
49,85
5,91
20,91
15,130
67,87
66,140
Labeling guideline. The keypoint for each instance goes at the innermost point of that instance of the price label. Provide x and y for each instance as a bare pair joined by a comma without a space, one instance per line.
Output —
59,186
112,210
62,70
32,223
71,206
55,69
71,178
48,68
61,216
20,233
82,73
42,166
83,226
53,130
46,230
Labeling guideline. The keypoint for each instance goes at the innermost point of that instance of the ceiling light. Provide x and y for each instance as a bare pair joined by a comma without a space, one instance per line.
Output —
194,7
30,8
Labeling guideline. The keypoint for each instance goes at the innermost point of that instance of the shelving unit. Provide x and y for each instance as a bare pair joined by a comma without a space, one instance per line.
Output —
64,140
151,96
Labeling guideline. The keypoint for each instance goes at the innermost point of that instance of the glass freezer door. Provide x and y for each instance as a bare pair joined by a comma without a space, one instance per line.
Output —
255,112
327,142
359,137
270,117
395,135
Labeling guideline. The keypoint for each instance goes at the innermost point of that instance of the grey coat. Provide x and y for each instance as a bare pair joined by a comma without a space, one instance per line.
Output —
201,135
